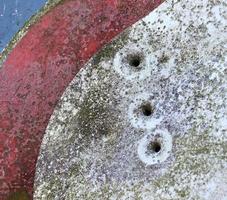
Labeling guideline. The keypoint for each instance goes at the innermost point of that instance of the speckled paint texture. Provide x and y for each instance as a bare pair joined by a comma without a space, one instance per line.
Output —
146,118
37,67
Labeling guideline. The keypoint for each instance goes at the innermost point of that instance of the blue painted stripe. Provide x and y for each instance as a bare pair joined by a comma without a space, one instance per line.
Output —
13,15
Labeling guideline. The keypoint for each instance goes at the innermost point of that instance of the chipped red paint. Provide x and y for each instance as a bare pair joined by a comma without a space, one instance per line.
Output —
39,68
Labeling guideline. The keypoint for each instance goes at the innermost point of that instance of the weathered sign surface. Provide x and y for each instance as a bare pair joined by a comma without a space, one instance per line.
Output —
37,66
146,118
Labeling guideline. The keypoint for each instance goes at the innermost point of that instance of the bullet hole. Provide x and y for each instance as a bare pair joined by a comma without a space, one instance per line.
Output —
134,60
147,109
154,147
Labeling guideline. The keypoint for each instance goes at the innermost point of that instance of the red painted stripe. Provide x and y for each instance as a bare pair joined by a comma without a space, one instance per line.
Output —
39,69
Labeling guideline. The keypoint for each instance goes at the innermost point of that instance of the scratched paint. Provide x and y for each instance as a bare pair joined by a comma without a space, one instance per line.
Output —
13,15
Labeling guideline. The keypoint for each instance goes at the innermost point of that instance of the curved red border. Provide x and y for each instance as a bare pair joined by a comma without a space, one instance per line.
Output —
39,69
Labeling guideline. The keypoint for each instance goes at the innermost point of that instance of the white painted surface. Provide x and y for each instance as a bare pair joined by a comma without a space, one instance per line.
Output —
95,143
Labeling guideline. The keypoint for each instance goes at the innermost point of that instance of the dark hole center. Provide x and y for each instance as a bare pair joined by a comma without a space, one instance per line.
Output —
147,110
134,61
154,147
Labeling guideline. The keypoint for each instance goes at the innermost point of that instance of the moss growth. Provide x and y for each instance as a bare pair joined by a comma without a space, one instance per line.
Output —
19,195
110,50
96,115
191,157
51,189
183,193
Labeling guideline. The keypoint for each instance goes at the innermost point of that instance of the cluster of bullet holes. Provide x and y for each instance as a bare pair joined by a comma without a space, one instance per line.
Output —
133,64
155,146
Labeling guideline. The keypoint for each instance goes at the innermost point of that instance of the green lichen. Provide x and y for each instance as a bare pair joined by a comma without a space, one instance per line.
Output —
97,116
51,189
110,50
19,195
195,154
